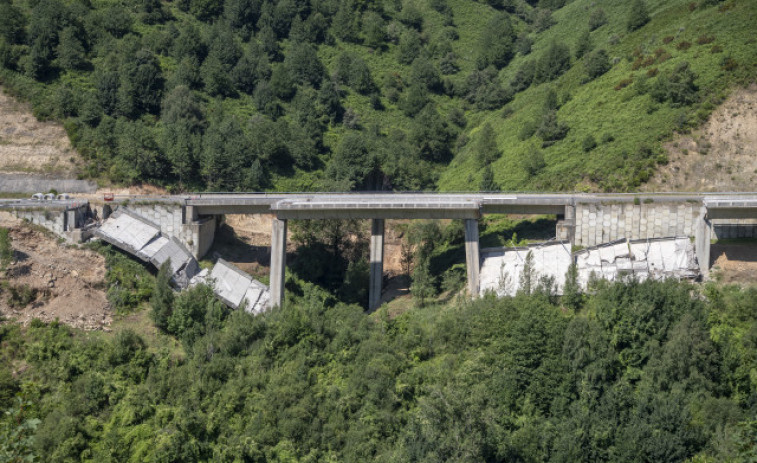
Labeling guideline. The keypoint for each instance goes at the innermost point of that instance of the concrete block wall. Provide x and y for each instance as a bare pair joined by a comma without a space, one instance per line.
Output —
52,219
598,223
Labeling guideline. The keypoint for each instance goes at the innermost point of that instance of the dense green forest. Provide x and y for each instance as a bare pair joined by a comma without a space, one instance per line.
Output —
632,372
367,94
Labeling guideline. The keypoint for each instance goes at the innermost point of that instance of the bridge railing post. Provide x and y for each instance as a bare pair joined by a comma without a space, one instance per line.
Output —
376,263
278,261
472,256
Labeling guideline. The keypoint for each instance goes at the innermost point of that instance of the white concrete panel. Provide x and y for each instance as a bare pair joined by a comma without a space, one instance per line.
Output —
501,269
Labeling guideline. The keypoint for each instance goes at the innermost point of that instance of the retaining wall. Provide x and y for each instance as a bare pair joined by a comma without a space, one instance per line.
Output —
598,223
23,183
52,219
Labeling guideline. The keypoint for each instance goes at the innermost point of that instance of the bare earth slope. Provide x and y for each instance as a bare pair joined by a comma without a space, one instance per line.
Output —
30,146
719,156
69,281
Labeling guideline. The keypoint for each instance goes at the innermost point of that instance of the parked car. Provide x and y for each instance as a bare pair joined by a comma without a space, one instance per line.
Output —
38,197
50,197
64,197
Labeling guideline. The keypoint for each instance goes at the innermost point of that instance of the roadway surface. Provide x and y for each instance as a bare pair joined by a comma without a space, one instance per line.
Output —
404,205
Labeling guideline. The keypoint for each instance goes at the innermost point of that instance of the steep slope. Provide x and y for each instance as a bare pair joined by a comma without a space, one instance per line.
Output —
719,156
616,109
445,94
30,146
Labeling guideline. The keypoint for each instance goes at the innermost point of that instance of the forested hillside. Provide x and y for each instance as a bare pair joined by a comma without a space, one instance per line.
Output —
632,373
353,94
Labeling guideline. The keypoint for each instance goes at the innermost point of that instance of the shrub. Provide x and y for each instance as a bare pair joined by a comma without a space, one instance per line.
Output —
533,163
597,63
21,295
583,45
678,87
6,248
553,63
638,15
667,39
705,39
624,83
684,45
162,297
589,143
597,19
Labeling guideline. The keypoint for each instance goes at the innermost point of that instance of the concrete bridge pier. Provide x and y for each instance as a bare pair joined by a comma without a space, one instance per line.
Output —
702,241
570,223
278,261
376,263
472,256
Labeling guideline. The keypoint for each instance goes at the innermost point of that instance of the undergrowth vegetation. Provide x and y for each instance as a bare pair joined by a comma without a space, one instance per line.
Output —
654,371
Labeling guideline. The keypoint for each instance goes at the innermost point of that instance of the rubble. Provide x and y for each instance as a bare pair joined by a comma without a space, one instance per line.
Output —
142,238
654,258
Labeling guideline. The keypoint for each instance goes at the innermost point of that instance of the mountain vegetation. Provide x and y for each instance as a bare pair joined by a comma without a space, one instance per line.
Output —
654,371
301,95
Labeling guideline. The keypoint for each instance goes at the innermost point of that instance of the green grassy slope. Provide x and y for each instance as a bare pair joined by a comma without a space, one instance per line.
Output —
634,120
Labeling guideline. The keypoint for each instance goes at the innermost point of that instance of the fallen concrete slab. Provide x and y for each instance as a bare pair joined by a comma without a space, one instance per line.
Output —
237,288
138,236
657,258
502,268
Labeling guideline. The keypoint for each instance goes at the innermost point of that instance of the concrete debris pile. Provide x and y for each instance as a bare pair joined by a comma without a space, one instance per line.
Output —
138,236
659,258
502,268
235,287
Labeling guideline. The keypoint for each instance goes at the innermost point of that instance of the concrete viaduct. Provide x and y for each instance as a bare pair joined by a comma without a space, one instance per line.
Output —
583,219
697,214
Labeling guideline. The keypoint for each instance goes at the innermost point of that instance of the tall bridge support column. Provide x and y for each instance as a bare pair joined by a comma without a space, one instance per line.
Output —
377,263
702,241
278,261
472,255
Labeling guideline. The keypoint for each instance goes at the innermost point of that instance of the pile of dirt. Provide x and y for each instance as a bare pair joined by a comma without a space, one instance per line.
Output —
719,156
49,280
